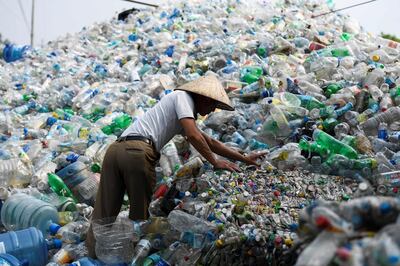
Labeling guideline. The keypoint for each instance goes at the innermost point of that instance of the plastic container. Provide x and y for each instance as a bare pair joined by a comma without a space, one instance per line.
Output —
114,239
28,245
21,211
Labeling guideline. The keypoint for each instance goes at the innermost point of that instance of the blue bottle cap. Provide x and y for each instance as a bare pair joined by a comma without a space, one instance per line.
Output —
393,260
50,121
385,207
53,228
72,157
57,243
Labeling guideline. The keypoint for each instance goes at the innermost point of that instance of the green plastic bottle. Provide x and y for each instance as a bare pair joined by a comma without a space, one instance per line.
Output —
329,124
313,147
340,52
350,140
310,102
364,163
346,36
333,145
118,124
333,88
59,187
250,74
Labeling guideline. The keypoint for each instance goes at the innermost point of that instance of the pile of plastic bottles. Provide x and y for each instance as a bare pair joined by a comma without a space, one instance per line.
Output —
363,231
320,95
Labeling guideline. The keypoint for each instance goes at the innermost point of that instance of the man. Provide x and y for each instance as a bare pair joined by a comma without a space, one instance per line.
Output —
129,163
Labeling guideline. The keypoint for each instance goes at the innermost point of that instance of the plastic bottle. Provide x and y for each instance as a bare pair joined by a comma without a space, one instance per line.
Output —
251,74
69,253
59,187
375,77
310,102
321,250
118,125
239,139
171,153
190,168
386,102
391,115
334,145
80,181
73,233
13,52
21,211
185,222
28,245
141,251
383,131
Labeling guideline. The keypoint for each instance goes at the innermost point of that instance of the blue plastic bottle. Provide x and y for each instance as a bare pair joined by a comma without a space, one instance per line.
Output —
28,245
21,211
13,52
81,182
72,174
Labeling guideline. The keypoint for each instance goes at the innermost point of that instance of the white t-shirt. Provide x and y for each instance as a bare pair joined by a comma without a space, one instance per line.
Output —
161,123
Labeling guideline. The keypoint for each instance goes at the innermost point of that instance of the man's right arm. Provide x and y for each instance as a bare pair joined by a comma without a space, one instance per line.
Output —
198,141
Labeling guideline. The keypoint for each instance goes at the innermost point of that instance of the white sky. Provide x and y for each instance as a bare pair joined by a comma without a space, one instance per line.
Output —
58,17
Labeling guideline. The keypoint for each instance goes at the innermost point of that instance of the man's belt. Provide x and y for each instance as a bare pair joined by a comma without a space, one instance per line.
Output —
141,138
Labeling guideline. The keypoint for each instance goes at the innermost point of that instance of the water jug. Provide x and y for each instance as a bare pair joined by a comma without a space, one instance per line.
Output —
21,211
28,244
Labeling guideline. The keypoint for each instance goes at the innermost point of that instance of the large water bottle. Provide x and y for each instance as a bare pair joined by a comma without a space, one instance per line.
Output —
82,182
21,211
28,244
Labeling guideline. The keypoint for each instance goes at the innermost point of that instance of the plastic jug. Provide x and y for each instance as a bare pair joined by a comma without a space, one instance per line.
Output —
21,211
82,182
28,244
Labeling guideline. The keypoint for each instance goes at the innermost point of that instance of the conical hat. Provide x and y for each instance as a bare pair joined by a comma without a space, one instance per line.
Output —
209,86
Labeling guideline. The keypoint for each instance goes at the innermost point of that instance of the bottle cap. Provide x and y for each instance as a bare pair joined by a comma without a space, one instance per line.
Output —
56,243
375,58
51,120
53,228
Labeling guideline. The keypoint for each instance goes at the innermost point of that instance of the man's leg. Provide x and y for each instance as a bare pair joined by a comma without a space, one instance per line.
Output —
110,193
138,162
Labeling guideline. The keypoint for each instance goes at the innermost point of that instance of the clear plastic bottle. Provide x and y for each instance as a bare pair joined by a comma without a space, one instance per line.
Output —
171,152
141,251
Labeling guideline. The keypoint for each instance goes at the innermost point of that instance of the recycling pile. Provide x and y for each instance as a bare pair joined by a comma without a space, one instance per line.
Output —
319,95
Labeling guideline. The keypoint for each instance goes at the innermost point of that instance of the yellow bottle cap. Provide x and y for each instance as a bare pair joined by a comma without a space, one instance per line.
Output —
219,243
375,58
288,242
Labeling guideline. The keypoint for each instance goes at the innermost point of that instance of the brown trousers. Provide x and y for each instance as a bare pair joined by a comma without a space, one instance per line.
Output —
127,166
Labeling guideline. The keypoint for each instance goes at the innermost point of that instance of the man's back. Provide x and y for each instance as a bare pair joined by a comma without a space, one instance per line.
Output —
161,123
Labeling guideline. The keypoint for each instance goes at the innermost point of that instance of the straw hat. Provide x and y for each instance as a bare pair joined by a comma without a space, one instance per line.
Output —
209,86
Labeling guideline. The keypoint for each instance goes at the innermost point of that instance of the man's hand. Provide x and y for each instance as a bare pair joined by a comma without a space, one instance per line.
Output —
226,165
251,158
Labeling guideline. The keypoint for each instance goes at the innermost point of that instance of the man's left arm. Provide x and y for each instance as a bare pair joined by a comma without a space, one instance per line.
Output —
220,149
